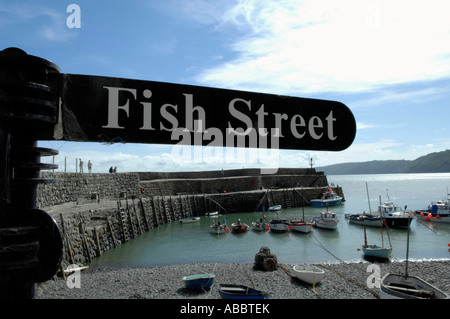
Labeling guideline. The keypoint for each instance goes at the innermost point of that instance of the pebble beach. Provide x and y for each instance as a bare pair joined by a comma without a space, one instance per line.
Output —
342,281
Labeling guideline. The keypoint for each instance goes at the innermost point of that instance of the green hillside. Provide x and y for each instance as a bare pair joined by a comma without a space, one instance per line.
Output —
438,162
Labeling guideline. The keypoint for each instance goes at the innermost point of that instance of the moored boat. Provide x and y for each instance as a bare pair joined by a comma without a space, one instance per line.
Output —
239,227
308,273
218,228
189,220
329,198
260,224
300,226
377,252
279,225
201,282
240,292
275,208
394,216
326,220
366,218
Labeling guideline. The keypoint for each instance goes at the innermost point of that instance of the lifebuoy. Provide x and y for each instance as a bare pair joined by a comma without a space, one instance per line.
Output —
254,183
142,190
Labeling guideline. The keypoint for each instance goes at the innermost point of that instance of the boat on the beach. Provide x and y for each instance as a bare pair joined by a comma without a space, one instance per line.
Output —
404,286
329,198
218,228
189,220
397,286
326,220
275,208
201,282
228,291
239,227
308,273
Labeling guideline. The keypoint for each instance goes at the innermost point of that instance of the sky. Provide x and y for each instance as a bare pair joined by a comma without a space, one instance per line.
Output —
387,61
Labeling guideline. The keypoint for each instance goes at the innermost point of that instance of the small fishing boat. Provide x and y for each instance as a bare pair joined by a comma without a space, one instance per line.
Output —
218,228
366,218
201,282
326,220
212,214
377,252
398,286
240,292
434,216
437,212
300,226
189,220
260,225
239,227
279,225
394,216
308,273
329,198
275,208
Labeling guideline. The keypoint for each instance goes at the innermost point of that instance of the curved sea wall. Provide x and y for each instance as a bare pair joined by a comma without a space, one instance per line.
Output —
98,212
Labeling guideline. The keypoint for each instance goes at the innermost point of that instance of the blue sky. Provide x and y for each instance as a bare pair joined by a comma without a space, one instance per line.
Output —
388,61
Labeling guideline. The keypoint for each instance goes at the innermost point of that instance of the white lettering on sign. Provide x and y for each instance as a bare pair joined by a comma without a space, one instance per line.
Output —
119,100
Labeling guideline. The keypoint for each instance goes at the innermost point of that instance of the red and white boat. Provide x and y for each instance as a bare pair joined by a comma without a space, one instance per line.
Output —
300,226
239,227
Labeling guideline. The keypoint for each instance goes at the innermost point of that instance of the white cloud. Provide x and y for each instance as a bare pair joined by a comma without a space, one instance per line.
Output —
312,46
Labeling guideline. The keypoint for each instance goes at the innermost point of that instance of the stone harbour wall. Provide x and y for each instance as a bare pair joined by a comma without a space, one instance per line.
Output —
98,212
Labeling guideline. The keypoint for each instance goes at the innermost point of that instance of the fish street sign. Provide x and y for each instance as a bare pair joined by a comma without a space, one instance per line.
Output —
105,109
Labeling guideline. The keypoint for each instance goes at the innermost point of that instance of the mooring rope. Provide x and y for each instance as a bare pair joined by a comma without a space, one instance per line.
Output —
376,295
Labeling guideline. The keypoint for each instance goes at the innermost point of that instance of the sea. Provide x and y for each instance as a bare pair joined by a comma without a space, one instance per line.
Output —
177,243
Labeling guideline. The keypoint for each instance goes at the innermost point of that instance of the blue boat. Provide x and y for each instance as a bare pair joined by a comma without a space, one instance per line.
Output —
329,198
240,292
202,282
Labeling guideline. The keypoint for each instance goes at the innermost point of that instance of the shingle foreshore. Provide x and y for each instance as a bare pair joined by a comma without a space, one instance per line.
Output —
342,281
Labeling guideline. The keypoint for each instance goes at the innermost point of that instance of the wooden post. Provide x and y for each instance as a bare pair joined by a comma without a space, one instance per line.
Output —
147,225
99,249
66,237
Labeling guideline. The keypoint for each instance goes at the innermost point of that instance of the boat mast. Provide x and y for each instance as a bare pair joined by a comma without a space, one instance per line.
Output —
381,222
407,251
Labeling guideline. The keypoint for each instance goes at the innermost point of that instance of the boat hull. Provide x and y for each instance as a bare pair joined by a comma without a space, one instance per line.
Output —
325,203
325,223
300,226
202,282
257,226
368,221
278,226
377,252
190,220
309,274
239,228
395,286
214,229
240,292
275,208
437,217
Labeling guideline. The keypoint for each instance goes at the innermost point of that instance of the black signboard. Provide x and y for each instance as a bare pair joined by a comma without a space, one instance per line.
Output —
114,110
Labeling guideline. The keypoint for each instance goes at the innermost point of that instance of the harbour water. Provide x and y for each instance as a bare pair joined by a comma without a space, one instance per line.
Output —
177,243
